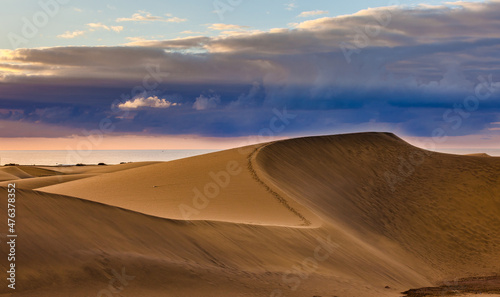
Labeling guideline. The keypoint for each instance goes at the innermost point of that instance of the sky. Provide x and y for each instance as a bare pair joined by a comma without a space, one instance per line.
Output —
221,73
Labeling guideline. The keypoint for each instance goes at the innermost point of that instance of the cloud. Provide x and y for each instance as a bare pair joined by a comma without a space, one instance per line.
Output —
142,101
403,74
70,35
240,33
250,99
224,27
134,40
308,14
96,26
92,27
144,16
26,129
227,30
175,20
117,29
497,128
190,42
203,103
291,6
400,54
191,32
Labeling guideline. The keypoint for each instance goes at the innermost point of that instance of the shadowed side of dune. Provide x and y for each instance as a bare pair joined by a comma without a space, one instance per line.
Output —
442,209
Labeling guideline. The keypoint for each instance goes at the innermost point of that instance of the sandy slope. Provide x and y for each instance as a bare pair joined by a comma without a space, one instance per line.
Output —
71,245
37,182
4,176
216,187
32,177
479,155
442,208
325,216
8,173
14,172
96,169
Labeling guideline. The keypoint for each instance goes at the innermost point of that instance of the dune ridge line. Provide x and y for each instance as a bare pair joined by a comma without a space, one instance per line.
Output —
283,201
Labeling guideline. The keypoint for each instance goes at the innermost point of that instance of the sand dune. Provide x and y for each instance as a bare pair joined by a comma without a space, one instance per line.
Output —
37,182
96,169
15,171
347,215
442,208
216,187
24,172
479,155
32,177
7,176
34,171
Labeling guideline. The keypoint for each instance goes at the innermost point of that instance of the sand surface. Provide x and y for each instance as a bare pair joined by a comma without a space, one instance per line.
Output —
346,215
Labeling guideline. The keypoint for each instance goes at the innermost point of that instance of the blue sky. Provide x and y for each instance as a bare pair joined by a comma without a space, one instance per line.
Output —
163,69
74,16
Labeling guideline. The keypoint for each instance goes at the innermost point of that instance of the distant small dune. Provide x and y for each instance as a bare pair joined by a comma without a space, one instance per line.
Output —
479,155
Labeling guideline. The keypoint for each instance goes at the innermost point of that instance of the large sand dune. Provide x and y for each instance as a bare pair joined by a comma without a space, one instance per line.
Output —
347,215
216,187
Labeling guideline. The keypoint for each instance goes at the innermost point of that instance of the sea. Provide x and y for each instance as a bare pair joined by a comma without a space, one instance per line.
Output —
109,157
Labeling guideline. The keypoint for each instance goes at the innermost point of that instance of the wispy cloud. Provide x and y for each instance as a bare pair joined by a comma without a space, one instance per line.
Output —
495,128
70,35
175,20
144,16
240,32
190,42
233,30
191,32
224,27
308,14
135,39
291,6
143,101
91,27
96,26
